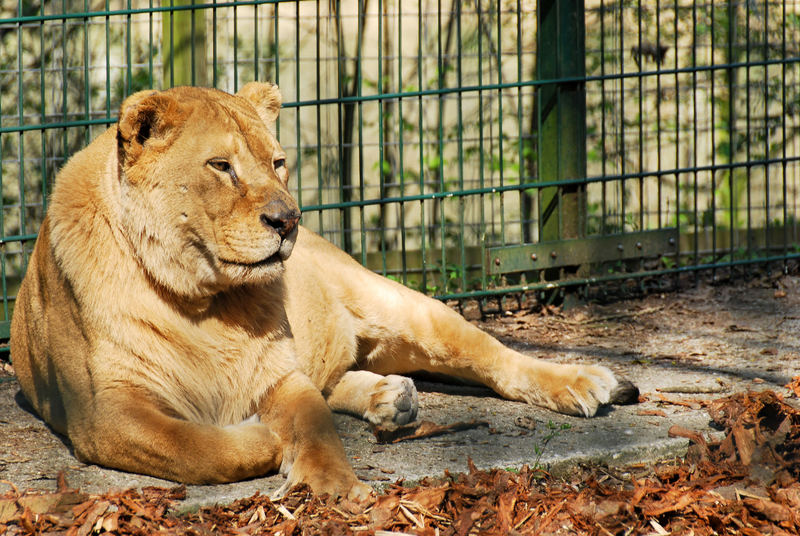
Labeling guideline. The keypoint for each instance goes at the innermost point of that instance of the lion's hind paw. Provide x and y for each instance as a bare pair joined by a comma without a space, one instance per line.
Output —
393,402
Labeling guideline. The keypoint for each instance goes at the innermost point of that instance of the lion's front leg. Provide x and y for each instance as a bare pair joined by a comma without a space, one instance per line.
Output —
132,431
312,450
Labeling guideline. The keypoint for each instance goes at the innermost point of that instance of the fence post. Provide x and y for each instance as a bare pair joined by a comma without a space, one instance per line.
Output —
183,43
561,107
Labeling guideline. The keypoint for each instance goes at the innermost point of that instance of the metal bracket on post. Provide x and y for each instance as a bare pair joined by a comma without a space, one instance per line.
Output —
561,109
582,251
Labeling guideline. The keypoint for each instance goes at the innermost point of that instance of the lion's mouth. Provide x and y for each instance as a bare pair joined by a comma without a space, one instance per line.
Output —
282,253
272,259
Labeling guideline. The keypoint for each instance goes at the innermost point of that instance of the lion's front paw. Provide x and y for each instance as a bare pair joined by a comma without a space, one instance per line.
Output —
360,492
342,486
323,475
582,389
393,402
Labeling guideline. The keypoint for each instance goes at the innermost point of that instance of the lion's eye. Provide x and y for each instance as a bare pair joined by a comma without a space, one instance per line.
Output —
225,167
279,163
221,165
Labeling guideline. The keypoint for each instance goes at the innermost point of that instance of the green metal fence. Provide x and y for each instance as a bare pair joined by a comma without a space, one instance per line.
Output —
464,148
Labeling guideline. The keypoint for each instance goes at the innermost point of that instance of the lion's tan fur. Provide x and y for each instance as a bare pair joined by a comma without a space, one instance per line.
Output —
161,308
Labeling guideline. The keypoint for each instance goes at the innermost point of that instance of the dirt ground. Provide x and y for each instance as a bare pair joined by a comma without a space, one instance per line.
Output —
684,350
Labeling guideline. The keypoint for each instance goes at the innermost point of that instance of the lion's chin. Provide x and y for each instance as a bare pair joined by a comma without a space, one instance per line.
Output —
258,272
276,258
262,270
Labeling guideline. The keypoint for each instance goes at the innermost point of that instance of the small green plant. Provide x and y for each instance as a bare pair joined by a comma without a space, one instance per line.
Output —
453,277
554,430
667,262
740,253
616,267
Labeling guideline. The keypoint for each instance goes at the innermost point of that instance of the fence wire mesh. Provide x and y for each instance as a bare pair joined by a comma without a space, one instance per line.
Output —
418,132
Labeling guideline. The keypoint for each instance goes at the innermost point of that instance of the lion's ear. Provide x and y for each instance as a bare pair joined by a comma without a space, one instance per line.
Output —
266,98
145,116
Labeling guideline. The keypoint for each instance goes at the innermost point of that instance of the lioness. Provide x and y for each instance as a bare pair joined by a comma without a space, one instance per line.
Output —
164,328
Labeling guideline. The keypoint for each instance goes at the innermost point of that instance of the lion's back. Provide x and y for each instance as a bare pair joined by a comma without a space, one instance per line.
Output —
42,338
49,343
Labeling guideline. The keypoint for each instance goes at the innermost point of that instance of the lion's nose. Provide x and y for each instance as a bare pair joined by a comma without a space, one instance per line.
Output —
280,217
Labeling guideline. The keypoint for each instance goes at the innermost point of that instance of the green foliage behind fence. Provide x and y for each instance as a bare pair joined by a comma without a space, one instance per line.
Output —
413,129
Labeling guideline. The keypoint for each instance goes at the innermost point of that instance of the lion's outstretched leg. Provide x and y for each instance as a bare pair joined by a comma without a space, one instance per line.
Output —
382,400
426,335
345,317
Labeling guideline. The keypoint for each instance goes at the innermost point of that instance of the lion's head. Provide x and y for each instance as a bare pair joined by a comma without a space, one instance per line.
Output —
203,187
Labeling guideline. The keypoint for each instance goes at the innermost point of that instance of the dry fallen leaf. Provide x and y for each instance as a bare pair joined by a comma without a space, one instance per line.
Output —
651,412
422,429
525,421
794,386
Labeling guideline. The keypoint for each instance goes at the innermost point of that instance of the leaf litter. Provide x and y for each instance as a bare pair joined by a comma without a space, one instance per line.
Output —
745,483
